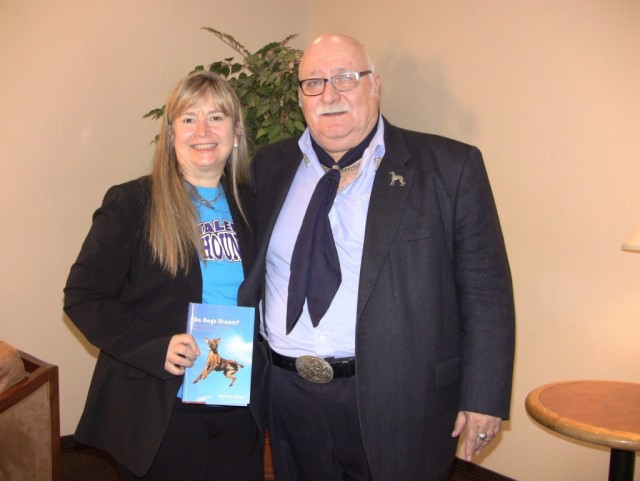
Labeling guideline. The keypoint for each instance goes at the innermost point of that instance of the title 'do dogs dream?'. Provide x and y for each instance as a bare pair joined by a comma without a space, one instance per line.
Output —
221,375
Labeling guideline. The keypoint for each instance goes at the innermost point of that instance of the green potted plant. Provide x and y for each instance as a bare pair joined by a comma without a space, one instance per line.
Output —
267,84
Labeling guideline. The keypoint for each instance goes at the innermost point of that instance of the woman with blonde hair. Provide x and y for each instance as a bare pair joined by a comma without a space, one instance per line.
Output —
157,243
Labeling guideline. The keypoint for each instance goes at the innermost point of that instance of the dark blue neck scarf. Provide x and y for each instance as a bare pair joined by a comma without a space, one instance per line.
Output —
315,267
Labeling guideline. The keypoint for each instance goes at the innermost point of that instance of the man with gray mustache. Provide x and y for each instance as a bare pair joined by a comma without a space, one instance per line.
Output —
387,309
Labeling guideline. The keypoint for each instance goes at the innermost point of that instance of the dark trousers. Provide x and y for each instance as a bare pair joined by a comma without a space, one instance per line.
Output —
208,444
314,428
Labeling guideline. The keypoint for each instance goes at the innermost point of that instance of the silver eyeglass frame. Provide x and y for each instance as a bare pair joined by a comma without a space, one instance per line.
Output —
331,81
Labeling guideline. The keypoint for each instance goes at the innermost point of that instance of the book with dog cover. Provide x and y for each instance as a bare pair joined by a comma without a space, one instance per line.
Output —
221,375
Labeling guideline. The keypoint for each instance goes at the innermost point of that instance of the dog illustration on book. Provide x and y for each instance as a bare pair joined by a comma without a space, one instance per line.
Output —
217,363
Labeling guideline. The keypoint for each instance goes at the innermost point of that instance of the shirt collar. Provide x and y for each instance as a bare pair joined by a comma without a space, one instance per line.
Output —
375,150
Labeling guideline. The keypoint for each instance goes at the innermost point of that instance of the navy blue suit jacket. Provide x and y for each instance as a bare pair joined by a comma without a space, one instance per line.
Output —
129,307
435,317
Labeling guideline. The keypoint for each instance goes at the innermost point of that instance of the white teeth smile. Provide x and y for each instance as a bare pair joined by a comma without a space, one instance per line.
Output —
204,146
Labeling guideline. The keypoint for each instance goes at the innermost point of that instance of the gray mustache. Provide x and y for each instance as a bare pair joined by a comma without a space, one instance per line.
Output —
332,109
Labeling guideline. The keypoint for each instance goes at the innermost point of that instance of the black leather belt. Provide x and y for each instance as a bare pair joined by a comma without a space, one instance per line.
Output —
310,367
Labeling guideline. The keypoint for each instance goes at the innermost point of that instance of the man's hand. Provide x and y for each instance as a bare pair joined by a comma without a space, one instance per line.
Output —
480,431
182,352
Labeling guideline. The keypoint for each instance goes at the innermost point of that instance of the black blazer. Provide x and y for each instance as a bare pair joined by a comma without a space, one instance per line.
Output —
435,326
127,306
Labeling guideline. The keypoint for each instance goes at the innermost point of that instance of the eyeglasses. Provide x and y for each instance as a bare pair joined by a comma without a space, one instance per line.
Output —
342,82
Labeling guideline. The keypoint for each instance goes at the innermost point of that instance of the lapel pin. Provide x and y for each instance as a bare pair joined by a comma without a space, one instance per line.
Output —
396,178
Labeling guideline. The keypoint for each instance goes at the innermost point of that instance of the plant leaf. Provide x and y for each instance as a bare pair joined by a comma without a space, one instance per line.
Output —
266,83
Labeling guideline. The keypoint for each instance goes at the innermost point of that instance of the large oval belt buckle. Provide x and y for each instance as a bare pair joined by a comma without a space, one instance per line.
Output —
314,369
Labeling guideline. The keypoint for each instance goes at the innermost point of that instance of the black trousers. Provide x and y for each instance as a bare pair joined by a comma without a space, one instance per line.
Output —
314,428
207,444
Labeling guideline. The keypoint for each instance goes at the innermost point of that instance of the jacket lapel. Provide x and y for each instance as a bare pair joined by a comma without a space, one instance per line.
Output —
194,278
246,241
388,197
273,190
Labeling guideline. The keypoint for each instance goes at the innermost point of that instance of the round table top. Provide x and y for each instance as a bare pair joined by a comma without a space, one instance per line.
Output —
600,412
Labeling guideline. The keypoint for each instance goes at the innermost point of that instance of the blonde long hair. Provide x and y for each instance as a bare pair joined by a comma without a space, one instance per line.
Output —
173,219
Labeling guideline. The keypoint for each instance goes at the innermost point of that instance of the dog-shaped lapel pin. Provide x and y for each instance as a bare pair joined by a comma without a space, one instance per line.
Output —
217,363
396,178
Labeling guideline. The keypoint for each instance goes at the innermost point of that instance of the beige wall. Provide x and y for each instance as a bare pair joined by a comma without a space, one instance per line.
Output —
548,90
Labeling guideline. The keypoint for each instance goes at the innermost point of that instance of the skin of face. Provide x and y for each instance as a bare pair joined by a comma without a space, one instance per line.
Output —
338,121
203,139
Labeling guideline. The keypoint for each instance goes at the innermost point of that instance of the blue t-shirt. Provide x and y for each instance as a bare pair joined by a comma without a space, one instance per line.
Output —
222,264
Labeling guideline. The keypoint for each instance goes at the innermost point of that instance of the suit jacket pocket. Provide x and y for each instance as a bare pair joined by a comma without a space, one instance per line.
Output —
125,371
448,372
420,232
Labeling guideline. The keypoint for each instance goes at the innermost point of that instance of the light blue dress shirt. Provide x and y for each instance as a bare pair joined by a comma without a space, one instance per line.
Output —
335,335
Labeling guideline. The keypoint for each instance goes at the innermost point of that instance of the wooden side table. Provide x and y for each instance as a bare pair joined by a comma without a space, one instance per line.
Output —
606,413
